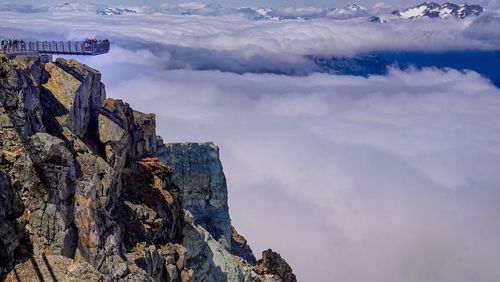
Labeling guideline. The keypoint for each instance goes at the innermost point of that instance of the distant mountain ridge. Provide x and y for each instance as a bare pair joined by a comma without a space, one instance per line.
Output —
115,11
378,13
374,14
434,10
380,63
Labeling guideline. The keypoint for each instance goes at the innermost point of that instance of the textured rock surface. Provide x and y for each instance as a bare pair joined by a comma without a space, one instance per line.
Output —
272,263
53,268
240,247
211,261
88,192
75,93
199,174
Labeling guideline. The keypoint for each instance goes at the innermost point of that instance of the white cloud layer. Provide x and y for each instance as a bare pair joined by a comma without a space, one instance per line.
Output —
386,178
244,38
383,179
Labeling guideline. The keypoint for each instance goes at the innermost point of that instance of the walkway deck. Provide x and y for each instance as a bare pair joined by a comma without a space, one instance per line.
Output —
57,47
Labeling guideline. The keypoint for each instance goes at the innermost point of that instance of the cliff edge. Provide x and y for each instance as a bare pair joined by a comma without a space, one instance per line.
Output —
89,192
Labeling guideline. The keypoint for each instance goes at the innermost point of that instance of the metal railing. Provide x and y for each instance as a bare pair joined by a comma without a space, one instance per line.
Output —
57,47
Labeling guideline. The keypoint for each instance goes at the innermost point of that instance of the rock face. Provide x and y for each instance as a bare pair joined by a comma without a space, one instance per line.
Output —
198,173
88,192
53,268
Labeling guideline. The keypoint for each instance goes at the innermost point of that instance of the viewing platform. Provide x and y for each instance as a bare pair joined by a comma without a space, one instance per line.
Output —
89,47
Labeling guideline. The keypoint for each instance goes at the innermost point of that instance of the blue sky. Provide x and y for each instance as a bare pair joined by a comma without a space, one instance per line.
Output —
270,3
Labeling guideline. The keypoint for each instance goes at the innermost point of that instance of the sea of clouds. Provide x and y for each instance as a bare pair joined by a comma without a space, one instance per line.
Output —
385,178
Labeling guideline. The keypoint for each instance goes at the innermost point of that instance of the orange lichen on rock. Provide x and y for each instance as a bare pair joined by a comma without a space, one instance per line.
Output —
159,171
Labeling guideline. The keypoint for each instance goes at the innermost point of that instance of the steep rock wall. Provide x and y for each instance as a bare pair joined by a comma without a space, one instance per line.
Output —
88,191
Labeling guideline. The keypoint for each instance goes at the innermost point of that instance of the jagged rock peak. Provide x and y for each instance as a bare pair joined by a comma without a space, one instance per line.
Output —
89,193
272,262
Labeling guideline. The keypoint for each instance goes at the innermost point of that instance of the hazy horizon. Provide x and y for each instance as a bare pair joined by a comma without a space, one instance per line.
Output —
256,3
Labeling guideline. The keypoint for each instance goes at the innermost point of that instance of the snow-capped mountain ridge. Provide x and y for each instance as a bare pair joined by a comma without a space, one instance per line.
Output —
378,13
434,10
374,14
115,11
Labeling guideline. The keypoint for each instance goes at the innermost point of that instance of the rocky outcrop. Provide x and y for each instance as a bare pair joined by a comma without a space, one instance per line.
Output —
272,263
88,192
75,94
198,173
240,247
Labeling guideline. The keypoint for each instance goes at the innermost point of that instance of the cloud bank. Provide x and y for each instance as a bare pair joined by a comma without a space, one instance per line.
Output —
352,179
385,178
248,38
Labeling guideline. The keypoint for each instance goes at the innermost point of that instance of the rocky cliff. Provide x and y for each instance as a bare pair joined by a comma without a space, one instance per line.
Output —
89,192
